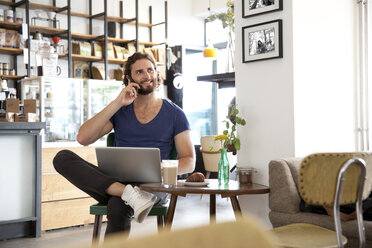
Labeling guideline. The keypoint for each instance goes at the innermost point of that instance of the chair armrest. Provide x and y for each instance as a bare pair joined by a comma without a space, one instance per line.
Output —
284,196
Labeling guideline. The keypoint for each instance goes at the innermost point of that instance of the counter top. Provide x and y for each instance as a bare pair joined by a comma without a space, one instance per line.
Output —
22,125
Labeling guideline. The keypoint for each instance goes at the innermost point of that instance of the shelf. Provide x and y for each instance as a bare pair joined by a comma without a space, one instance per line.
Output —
10,25
116,40
77,57
124,20
52,8
6,3
47,30
11,77
10,51
151,43
88,37
224,80
117,61
45,8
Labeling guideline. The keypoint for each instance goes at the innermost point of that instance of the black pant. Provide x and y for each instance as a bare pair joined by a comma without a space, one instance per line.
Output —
347,209
92,181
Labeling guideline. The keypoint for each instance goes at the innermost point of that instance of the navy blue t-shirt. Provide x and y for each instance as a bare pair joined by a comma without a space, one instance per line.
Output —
159,132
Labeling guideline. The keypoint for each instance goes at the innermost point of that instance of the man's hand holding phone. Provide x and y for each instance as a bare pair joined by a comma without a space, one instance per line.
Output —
129,93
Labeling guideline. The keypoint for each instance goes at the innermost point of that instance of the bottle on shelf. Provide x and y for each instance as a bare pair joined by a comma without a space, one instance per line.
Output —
4,88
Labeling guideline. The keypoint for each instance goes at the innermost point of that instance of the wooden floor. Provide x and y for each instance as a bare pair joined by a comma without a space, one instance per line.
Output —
191,211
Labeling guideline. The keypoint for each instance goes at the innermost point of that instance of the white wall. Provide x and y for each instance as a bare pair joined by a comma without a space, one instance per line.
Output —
324,75
302,102
265,98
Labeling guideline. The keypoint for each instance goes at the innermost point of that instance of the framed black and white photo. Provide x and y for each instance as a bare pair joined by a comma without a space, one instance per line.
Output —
262,41
258,7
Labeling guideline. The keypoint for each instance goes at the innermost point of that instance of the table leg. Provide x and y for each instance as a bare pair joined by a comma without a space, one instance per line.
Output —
212,208
170,213
236,207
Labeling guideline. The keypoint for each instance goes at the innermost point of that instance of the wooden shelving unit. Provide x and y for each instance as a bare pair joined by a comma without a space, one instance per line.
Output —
66,33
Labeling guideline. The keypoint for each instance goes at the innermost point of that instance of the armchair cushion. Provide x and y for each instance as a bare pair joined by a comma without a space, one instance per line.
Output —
284,196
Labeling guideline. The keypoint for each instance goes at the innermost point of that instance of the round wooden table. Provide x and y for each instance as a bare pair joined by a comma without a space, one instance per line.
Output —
232,190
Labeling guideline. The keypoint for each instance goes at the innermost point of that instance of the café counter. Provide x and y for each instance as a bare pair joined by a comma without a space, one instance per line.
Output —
20,179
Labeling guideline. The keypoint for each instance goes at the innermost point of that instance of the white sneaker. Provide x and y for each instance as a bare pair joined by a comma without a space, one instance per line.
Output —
141,201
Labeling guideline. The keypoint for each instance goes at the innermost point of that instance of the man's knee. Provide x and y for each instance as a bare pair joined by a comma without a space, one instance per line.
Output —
60,159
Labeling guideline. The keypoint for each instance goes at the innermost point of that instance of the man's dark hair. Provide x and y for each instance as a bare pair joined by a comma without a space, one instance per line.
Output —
132,59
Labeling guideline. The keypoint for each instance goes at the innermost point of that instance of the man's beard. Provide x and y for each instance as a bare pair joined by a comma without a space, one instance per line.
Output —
148,89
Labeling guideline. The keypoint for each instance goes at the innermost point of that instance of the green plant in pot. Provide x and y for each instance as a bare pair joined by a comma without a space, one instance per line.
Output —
229,142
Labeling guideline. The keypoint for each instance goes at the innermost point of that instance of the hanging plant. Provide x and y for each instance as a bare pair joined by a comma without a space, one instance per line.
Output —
228,21
226,18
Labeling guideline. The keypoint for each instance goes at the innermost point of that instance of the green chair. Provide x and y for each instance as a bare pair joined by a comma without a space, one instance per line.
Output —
159,210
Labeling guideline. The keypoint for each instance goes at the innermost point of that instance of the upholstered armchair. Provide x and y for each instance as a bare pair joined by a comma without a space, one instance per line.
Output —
284,203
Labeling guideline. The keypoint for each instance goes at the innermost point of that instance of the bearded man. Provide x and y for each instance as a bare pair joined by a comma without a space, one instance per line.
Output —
139,118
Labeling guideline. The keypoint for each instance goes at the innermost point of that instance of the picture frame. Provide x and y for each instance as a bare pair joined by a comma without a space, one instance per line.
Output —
258,7
262,41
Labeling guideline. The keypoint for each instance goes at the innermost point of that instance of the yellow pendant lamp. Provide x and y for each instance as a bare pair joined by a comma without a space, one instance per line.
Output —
210,51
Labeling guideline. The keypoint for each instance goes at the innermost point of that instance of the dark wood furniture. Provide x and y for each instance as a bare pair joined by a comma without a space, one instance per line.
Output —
231,190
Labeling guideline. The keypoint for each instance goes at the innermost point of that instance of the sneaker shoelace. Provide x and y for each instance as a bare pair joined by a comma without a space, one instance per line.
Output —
132,198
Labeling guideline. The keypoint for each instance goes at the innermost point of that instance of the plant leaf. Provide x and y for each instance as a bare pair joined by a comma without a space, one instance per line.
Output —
237,144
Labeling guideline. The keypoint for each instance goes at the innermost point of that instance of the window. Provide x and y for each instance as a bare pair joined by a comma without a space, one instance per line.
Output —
198,96
204,104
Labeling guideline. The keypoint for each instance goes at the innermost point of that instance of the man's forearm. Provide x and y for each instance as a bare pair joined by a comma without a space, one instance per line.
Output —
186,165
94,128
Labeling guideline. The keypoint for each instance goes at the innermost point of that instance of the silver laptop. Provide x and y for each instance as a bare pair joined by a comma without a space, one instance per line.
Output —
130,164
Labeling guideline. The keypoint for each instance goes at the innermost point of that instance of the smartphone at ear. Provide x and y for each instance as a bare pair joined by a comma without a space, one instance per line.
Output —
131,80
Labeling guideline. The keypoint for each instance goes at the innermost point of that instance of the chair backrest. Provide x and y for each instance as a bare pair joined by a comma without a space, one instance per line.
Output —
110,141
337,179
318,178
211,158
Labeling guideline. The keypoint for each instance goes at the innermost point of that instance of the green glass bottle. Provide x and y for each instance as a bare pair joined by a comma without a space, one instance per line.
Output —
223,168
